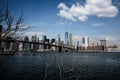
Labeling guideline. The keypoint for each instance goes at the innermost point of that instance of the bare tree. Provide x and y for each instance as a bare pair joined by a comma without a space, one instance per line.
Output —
1,15
12,25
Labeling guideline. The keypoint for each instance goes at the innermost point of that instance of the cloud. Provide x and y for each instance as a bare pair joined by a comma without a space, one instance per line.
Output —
64,12
41,24
63,6
99,8
64,23
98,24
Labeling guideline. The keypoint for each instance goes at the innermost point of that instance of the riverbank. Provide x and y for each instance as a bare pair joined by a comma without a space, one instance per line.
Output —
7,53
99,51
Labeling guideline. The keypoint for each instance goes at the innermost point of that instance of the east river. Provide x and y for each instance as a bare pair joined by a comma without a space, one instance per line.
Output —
60,66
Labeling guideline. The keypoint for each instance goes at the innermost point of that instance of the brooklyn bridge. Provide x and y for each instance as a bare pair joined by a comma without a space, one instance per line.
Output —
35,45
11,44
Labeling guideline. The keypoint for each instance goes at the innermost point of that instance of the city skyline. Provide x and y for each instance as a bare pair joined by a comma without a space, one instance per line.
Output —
74,16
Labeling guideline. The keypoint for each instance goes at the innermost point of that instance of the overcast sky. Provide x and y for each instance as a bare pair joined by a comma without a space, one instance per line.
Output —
97,19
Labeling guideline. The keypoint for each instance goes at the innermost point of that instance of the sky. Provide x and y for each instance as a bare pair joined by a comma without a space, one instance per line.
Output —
97,19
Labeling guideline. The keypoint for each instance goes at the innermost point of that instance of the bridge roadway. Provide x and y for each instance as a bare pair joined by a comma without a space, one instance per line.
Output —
30,42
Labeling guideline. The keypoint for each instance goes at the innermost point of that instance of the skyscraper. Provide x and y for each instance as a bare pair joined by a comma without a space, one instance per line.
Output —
44,38
66,38
77,45
34,39
26,46
47,42
85,41
70,39
53,48
52,40
59,39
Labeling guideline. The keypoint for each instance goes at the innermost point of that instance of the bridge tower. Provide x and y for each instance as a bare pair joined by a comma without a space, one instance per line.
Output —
60,49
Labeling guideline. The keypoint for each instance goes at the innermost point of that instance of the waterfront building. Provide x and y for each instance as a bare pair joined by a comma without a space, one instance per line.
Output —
26,46
85,41
38,42
91,48
66,38
70,39
34,39
44,38
113,48
103,43
41,46
59,39
52,40
77,45
47,42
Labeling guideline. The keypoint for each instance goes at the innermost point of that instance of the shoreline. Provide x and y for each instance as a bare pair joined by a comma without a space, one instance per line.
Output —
13,52
7,53
99,51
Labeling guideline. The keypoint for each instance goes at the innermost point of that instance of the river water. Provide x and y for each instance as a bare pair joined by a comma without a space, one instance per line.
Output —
60,66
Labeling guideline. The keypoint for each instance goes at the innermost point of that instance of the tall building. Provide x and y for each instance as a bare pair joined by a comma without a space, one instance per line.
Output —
41,46
34,39
103,43
38,44
70,39
77,45
47,42
26,46
52,40
85,41
53,48
44,38
59,39
66,38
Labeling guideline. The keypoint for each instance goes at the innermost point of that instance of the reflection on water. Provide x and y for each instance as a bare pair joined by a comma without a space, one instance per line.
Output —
60,66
